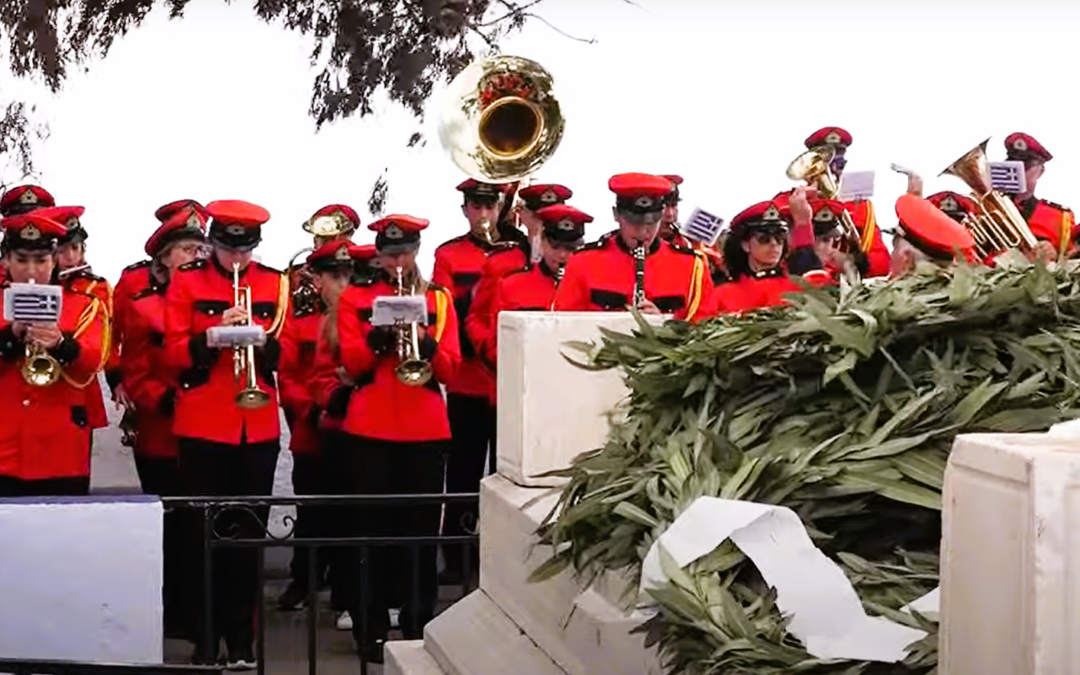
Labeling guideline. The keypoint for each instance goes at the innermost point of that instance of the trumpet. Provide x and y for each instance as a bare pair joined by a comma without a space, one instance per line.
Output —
250,396
411,369
812,166
39,368
999,225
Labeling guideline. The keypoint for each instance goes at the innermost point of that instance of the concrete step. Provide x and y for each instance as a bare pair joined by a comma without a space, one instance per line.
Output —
408,657
475,637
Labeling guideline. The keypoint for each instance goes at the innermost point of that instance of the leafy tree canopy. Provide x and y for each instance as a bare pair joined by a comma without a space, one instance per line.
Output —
363,47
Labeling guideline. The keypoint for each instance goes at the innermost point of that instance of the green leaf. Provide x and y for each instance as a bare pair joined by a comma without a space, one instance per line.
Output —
634,513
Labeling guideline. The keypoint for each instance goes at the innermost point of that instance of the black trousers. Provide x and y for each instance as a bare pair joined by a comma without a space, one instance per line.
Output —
45,487
217,469
311,477
472,425
161,476
378,578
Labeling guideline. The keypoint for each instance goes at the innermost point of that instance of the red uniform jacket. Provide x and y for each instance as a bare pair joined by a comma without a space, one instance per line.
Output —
458,267
749,292
146,376
528,290
198,295
601,277
133,280
381,407
45,431
85,282
298,343
870,241
329,387
480,324
1049,221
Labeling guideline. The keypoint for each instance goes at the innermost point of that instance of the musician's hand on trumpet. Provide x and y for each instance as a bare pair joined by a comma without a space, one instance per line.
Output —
44,335
234,316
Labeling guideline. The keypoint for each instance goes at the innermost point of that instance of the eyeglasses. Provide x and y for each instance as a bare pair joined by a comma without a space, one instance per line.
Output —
766,238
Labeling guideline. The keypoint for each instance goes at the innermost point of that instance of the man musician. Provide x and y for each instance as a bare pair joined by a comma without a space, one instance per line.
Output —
226,448
1049,222
45,434
604,276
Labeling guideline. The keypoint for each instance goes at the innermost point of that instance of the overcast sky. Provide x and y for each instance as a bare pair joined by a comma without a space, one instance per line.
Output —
722,92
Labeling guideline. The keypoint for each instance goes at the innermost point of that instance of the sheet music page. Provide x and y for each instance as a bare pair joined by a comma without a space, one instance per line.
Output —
33,303
856,186
702,227
388,310
1008,177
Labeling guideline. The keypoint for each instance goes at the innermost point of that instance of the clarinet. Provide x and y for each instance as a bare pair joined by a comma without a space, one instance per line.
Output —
639,278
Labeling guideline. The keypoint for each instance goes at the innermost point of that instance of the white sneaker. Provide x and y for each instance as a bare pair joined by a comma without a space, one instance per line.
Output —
344,621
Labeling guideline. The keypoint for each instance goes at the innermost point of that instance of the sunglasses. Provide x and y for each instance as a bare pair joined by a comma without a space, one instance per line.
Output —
766,238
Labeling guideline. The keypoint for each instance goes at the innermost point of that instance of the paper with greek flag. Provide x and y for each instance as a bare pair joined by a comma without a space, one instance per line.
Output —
32,303
702,227
1008,177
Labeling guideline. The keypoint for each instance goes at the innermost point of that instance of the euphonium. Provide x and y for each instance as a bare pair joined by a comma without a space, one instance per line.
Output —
501,120
639,275
812,167
411,369
304,297
999,226
244,357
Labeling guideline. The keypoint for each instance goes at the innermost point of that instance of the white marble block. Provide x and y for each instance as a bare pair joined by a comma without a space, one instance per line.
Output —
1010,580
549,410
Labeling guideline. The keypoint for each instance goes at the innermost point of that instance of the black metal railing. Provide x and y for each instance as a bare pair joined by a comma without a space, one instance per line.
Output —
46,667
220,517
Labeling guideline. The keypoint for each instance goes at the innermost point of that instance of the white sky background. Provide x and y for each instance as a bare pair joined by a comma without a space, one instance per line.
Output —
720,92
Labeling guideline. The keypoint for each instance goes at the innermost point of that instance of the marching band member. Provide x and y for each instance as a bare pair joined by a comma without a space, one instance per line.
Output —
225,448
394,434
669,232
533,288
954,205
605,275
1049,222
45,434
873,256
334,222
151,393
755,251
534,198
828,238
73,270
332,266
922,237
459,264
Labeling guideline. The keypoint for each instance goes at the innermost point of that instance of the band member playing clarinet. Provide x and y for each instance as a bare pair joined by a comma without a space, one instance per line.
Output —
633,266
533,288
395,428
151,395
226,413
44,369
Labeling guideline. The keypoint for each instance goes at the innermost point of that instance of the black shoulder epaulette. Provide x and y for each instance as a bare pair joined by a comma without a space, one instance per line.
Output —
452,241
87,274
362,281
137,266
686,250
596,245
267,268
432,286
193,265
146,292
1054,205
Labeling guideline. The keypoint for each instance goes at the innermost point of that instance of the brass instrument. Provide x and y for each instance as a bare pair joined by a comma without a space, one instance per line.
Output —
244,357
501,120
305,296
999,226
639,275
812,167
411,369
39,368
486,232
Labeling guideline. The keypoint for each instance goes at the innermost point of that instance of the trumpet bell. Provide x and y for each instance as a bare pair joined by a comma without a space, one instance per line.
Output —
41,370
502,119
413,373
252,398
974,169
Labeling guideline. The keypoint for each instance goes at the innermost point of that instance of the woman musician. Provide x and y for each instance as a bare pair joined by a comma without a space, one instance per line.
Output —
394,429
45,434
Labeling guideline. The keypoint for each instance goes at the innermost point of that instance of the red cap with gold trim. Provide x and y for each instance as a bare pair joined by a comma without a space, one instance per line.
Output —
25,198
834,136
761,217
563,223
930,230
331,256
956,206
475,191
826,216
187,223
68,216
236,224
1020,146
541,195
172,208
30,232
639,193
398,233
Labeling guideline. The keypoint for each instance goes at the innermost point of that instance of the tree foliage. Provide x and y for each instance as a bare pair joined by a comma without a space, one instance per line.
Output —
362,48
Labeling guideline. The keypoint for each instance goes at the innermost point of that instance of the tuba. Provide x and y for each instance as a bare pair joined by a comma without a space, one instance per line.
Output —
250,396
501,120
812,167
999,226
411,369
